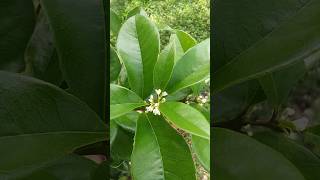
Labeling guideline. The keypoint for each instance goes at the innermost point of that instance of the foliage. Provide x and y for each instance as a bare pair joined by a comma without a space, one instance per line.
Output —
52,89
151,99
260,51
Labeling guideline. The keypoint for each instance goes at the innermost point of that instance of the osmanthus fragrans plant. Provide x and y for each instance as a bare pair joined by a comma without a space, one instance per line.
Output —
261,49
52,89
151,102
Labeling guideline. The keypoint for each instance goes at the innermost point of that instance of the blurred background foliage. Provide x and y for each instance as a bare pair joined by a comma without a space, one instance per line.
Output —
191,16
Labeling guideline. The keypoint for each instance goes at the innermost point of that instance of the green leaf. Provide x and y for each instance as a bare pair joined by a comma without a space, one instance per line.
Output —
122,101
66,168
247,47
115,65
192,68
201,148
160,152
138,45
163,68
34,115
121,147
301,157
128,121
232,102
277,85
41,57
183,42
17,20
186,118
79,36
204,110
185,39
239,157
135,11
115,22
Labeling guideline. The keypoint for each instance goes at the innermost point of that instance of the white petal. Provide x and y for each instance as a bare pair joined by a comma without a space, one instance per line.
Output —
156,111
158,91
164,93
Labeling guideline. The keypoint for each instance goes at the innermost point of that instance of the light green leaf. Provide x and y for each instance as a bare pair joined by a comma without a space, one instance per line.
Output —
79,35
34,115
183,42
17,21
159,152
163,68
238,157
201,148
115,22
138,45
192,68
122,101
186,118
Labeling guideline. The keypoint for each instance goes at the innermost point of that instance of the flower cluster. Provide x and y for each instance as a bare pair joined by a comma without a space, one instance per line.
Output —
202,99
153,103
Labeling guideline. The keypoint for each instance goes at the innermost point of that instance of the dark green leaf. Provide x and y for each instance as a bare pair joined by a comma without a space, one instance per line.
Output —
239,157
277,85
79,35
71,167
17,21
301,157
121,146
35,115
41,56
160,152
276,37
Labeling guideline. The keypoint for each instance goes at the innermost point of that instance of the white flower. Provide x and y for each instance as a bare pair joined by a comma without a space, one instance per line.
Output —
156,105
163,100
164,93
149,108
156,111
158,91
151,98
203,101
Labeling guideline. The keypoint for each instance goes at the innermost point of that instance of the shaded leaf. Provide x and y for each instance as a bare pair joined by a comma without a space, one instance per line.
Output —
81,48
17,21
248,159
34,115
